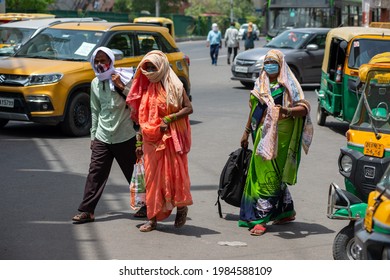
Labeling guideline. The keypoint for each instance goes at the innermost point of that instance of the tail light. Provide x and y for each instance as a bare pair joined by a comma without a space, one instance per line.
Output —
187,59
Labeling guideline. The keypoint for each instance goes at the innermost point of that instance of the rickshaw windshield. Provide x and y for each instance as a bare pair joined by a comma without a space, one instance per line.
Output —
362,50
372,111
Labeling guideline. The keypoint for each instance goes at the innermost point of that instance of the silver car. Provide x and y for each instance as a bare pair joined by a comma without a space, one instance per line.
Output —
303,49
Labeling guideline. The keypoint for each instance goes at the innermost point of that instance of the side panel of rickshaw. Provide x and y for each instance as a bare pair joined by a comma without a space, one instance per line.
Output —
338,96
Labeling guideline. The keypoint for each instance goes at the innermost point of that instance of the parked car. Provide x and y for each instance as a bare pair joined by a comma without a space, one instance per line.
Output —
303,49
14,34
48,79
244,27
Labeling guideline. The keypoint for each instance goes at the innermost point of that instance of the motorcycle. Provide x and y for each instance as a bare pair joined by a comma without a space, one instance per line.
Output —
367,154
372,234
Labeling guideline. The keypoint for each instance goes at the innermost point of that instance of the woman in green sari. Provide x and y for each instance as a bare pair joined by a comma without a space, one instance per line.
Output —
279,123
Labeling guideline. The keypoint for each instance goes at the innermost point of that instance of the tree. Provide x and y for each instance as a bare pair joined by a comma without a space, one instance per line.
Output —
28,5
166,6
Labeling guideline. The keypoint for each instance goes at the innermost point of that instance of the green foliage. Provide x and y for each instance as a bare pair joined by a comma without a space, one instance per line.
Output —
38,6
219,11
122,6
166,6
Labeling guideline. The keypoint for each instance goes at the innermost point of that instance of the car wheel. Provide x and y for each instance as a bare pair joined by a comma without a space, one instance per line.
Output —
321,115
3,123
247,84
77,120
344,246
296,74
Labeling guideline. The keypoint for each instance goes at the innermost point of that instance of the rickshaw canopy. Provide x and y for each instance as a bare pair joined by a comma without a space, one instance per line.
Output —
347,34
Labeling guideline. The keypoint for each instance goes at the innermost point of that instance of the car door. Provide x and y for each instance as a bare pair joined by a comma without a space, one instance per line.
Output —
313,60
124,41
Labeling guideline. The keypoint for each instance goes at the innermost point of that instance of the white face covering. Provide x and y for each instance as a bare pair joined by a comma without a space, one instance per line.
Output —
214,27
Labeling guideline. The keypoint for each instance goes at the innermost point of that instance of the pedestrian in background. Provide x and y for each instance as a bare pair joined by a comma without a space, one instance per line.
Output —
279,123
214,41
231,41
112,132
160,105
249,36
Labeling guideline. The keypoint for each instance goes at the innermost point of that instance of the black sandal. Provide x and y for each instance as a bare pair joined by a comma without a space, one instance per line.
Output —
83,217
141,213
181,216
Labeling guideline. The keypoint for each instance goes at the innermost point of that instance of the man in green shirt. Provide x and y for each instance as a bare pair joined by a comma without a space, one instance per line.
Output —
112,132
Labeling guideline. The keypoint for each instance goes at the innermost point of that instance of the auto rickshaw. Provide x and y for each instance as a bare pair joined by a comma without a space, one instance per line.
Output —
367,154
161,21
346,49
372,234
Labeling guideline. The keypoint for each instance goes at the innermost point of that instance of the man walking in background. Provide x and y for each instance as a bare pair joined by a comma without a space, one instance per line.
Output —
231,41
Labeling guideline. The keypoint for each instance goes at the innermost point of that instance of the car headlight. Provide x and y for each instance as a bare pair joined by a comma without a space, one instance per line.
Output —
346,163
45,79
259,63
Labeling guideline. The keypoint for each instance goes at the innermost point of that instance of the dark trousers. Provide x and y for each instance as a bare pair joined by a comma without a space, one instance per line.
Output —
214,50
102,158
230,50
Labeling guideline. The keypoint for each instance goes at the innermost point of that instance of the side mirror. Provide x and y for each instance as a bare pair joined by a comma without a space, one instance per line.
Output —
118,54
343,45
312,47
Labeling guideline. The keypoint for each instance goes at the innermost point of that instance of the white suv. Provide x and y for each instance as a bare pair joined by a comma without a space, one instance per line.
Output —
15,34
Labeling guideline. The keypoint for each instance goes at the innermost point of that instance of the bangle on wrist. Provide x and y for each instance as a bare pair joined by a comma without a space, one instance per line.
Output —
138,144
248,129
167,119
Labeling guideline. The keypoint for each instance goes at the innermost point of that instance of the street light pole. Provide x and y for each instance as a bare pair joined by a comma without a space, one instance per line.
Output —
157,8
231,11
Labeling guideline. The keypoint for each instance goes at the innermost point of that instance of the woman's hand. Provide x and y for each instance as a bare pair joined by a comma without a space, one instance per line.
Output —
139,152
244,140
163,127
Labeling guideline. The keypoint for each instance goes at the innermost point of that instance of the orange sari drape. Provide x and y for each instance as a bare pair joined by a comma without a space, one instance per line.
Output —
165,154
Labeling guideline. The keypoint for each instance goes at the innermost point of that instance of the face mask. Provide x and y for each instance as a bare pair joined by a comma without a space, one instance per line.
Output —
271,68
101,68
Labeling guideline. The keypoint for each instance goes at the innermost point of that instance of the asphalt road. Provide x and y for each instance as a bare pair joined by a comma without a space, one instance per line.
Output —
43,175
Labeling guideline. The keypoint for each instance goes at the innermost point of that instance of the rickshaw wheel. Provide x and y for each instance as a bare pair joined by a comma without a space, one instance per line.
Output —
321,115
386,253
344,246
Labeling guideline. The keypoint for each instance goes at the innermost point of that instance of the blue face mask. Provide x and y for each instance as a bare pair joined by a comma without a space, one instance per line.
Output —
271,68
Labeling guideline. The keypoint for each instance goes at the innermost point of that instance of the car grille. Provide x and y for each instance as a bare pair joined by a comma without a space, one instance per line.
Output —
244,62
13,80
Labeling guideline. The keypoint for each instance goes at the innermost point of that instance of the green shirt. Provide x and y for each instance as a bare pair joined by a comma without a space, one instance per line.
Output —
111,121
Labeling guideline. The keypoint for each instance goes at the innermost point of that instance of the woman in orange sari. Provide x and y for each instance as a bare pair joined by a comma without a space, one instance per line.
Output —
160,105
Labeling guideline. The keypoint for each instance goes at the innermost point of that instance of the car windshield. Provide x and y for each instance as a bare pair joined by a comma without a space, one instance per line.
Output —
289,40
61,44
363,50
372,112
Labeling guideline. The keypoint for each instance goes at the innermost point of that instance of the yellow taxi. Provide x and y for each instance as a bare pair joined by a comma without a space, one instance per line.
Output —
48,79
11,17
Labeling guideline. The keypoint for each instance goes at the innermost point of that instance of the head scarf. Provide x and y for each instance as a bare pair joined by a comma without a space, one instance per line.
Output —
126,74
174,95
250,28
294,96
214,27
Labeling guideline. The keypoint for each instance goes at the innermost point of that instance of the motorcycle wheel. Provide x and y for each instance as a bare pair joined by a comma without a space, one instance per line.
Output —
344,247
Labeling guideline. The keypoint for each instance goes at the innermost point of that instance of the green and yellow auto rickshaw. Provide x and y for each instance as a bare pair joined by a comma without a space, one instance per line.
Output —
363,161
346,49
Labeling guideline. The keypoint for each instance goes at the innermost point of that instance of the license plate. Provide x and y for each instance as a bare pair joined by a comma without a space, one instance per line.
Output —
374,149
241,69
6,102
